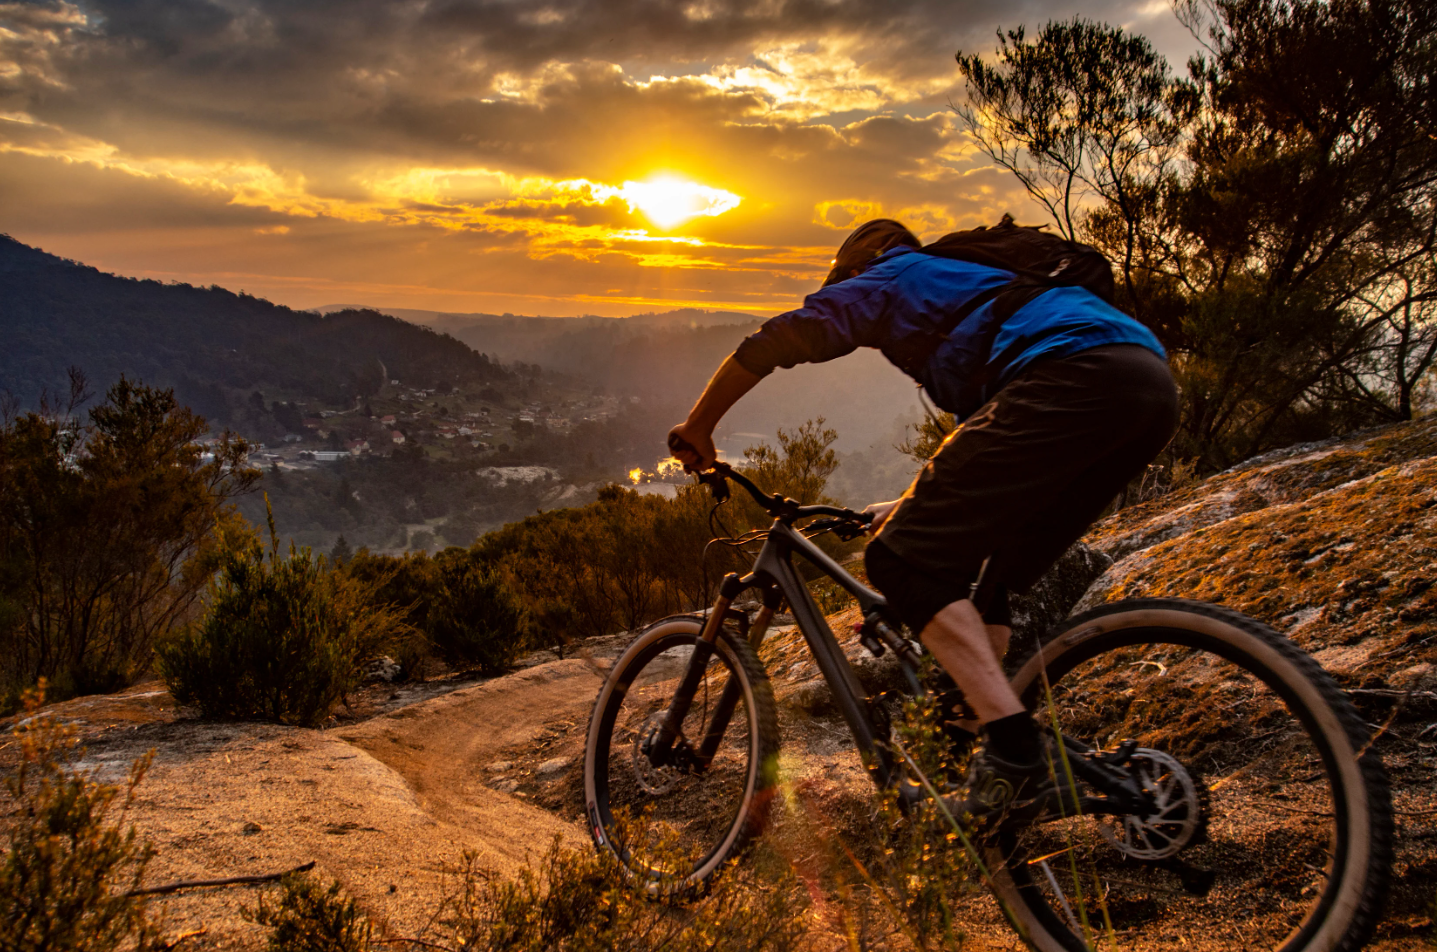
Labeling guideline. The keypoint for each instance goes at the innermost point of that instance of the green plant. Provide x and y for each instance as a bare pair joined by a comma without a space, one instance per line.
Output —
283,639
107,534
579,901
476,621
69,863
309,918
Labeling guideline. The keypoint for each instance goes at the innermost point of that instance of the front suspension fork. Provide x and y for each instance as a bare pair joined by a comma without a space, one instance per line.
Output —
661,751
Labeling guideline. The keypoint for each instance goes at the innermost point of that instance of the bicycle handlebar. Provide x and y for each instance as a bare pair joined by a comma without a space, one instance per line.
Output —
777,506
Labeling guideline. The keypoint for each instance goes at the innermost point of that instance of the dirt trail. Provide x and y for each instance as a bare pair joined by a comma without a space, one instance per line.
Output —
386,805
448,749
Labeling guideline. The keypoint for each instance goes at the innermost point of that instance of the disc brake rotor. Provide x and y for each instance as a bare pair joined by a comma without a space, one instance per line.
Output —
651,779
1177,817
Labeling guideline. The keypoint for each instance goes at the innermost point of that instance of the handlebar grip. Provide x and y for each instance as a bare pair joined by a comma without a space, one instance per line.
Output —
677,444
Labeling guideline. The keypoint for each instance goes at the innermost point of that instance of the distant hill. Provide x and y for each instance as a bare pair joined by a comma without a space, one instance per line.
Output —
665,358
571,344
216,348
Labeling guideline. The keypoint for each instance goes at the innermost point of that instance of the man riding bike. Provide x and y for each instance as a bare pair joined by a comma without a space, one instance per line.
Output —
1062,402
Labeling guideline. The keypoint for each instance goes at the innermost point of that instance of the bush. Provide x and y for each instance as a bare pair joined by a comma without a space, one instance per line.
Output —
107,535
68,863
574,901
476,622
311,919
282,639
579,901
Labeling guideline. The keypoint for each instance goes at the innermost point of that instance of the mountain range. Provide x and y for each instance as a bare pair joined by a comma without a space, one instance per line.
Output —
216,348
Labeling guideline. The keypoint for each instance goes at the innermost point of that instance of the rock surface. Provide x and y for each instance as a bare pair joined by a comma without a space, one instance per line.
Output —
1334,544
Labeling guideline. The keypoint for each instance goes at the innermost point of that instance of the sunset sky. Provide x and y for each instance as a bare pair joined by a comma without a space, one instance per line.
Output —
566,157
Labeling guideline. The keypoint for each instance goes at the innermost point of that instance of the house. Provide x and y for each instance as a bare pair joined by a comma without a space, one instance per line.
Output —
329,456
396,436
355,447
448,432
387,419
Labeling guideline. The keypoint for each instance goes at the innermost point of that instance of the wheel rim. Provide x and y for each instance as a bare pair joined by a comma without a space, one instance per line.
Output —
664,824
1257,827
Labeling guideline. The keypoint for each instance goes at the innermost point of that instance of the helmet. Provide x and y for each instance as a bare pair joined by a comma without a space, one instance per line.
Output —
868,241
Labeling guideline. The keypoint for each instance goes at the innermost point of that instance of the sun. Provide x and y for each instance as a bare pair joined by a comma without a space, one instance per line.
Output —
668,200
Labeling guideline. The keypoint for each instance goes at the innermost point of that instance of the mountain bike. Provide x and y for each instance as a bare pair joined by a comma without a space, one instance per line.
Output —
1214,786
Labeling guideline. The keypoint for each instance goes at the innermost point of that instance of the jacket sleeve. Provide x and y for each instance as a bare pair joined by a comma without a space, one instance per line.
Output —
832,322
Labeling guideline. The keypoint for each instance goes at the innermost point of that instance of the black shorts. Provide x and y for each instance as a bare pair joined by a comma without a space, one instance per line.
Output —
1023,478
916,596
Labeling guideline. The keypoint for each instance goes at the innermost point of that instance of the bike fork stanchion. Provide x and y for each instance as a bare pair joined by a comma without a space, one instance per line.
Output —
729,699
703,651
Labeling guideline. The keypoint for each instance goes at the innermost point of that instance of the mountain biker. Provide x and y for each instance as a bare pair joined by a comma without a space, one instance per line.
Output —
1074,399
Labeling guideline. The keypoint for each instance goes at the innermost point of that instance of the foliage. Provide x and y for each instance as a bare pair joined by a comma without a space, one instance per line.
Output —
610,566
928,435
578,901
476,622
1273,215
450,604
628,559
283,639
799,468
68,862
309,918
107,533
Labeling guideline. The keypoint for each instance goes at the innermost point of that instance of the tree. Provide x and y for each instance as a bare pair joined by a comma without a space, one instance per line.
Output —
476,622
282,638
1274,215
341,553
1084,113
107,533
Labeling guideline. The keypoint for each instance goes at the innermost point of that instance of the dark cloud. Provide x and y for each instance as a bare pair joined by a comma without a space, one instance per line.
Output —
195,118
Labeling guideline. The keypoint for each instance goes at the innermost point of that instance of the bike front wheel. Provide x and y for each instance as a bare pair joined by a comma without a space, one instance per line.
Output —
672,821
1270,823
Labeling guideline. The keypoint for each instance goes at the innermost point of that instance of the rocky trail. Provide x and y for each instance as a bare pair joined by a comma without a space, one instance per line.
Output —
1335,544
387,805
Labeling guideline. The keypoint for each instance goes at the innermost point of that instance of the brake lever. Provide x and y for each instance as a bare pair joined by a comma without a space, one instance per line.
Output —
717,485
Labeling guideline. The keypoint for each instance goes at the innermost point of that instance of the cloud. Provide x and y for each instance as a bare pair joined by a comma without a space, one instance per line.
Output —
496,135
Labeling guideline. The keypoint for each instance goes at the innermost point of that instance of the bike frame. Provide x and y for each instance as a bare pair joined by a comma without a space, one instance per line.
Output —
775,574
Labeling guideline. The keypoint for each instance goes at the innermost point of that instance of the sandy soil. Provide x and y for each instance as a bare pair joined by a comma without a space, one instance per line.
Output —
387,805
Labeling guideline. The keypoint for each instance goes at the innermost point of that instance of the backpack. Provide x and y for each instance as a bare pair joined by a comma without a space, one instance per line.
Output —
1039,261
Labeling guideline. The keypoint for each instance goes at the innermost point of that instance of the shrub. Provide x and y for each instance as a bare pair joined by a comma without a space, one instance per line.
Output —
107,535
311,919
68,862
579,901
282,639
475,620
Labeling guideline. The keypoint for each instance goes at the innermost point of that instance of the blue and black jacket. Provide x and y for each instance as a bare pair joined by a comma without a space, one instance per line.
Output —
894,306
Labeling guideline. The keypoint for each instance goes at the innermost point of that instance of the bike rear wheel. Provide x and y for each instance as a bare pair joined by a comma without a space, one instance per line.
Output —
1273,827
673,825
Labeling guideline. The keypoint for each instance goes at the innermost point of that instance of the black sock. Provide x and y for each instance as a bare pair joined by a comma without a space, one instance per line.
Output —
1015,738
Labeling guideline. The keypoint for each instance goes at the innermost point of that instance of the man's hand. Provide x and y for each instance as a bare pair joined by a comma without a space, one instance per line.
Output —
699,453
881,511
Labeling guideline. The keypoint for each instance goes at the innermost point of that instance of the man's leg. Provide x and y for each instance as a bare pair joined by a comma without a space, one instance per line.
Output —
959,642
1055,424
998,637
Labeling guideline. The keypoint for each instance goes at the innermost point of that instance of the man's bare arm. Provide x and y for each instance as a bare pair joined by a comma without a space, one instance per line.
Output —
730,382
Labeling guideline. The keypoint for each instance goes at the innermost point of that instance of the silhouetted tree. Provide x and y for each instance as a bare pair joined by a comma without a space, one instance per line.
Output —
107,533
